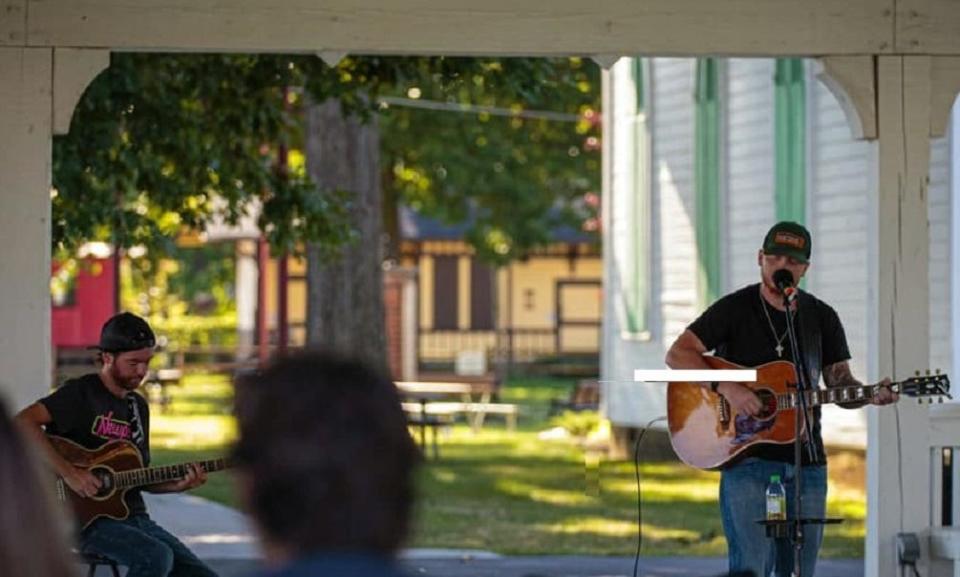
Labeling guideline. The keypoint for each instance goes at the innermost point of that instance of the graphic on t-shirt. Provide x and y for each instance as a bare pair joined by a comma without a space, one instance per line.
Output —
106,427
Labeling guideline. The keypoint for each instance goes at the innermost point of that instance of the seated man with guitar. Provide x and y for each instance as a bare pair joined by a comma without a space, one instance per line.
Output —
748,328
95,433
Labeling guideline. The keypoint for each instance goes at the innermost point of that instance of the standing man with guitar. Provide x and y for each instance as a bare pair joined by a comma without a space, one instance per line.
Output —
102,407
748,328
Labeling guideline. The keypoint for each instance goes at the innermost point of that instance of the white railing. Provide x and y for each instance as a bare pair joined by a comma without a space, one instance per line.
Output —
945,490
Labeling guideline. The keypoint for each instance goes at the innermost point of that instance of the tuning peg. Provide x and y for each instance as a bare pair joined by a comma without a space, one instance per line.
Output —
936,372
916,373
928,372
939,399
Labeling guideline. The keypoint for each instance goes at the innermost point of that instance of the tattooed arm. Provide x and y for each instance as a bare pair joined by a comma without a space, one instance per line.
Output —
839,375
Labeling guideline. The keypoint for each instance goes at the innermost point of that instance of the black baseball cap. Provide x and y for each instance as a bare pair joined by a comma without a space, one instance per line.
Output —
125,332
788,239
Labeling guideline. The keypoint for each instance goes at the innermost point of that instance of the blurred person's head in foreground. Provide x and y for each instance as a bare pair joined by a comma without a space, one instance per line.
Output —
33,534
325,459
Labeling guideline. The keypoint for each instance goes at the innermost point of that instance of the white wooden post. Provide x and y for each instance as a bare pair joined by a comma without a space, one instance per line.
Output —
39,88
25,156
897,448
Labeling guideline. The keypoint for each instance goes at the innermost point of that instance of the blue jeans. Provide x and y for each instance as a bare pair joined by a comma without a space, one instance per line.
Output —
743,502
145,548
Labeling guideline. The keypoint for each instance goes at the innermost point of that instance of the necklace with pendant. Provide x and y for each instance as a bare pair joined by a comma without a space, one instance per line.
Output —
779,339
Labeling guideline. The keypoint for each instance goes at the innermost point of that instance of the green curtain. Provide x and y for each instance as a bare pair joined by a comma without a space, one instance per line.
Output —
790,137
707,179
638,293
636,277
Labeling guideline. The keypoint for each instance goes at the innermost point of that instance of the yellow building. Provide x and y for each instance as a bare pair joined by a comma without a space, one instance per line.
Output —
547,305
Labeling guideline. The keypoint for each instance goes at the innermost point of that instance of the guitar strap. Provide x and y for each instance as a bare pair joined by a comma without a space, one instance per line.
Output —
136,424
810,339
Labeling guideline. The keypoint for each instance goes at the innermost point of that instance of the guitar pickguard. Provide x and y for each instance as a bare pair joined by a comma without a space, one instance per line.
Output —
748,427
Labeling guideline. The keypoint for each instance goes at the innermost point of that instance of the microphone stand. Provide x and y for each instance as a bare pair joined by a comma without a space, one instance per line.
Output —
802,386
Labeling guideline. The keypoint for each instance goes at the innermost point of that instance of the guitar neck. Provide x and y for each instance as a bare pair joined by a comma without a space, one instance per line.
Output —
154,475
831,395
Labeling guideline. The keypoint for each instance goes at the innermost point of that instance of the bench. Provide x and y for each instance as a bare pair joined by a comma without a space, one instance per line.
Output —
486,386
474,411
433,420
437,392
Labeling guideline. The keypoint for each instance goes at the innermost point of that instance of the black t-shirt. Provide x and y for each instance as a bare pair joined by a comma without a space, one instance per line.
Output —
737,329
85,412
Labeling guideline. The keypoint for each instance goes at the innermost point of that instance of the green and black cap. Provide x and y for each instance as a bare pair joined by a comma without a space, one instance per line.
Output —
788,239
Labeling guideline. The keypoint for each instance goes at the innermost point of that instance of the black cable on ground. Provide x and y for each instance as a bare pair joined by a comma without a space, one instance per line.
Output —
636,463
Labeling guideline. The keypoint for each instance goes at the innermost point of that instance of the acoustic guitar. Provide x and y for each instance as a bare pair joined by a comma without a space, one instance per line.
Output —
119,467
707,433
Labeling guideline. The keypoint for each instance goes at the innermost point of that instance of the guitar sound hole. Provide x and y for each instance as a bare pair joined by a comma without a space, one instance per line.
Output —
106,481
769,401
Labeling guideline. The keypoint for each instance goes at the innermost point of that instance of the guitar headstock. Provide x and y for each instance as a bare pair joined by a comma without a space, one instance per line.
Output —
926,386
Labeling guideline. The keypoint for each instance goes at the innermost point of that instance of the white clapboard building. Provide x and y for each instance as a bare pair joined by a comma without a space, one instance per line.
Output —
766,140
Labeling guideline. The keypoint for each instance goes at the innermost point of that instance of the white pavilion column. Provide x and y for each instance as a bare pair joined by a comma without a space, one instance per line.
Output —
246,294
25,155
901,102
39,88
898,468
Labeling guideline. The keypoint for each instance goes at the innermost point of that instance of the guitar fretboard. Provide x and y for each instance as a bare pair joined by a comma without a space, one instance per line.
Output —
153,475
818,397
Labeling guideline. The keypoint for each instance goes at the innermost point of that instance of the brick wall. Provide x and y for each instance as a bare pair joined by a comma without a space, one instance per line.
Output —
393,321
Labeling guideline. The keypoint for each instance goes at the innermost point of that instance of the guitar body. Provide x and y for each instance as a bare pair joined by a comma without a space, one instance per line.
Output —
105,462
706,433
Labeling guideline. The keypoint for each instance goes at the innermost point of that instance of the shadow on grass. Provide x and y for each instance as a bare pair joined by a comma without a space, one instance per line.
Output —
517,494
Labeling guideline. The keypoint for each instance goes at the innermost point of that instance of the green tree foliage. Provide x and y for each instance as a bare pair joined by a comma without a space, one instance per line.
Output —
513,172
160,143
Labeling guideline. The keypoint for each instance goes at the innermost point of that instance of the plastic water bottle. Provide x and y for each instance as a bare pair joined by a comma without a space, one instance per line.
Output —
776,500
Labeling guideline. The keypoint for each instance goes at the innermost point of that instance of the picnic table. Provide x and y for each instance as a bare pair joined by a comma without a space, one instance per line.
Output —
432,404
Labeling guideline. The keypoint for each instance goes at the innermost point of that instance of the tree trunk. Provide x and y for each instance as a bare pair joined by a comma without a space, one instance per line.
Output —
345,295
391,217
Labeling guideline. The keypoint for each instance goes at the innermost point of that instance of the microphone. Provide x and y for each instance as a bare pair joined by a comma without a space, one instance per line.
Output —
784,282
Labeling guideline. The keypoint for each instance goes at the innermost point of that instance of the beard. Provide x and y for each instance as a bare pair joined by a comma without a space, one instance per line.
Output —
130,383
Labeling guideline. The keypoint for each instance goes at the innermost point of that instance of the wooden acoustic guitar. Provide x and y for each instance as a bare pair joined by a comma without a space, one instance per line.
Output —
706,433
119,467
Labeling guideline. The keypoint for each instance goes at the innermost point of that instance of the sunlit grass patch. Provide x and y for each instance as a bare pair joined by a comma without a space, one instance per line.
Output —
192,432
618,528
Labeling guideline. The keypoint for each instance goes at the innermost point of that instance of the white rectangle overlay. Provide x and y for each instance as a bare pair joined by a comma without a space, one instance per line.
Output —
695,376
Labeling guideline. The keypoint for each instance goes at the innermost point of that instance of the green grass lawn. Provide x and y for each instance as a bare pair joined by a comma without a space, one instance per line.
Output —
512,492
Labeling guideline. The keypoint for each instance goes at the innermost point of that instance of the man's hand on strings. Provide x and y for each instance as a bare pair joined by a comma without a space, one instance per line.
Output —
883,394
741,398
83,482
